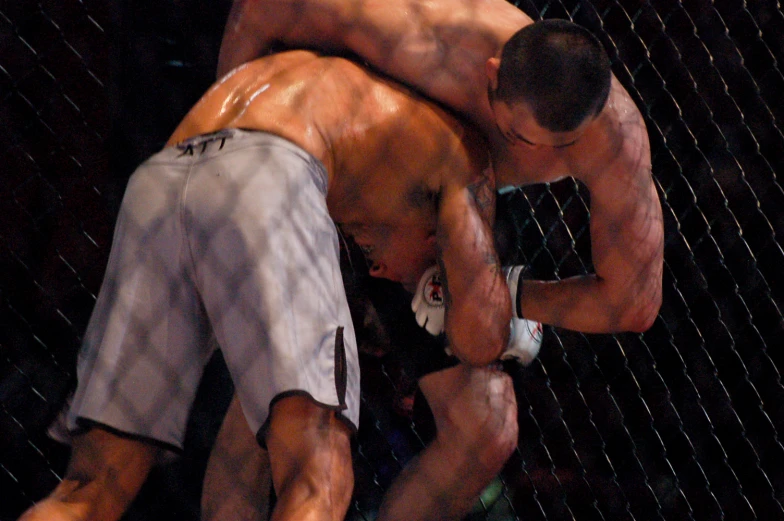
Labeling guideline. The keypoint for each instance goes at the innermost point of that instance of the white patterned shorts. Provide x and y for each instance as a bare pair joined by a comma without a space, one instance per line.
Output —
224,237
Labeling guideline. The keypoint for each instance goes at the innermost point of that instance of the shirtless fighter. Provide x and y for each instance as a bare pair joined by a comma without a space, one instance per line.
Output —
545,98
543,95
230,231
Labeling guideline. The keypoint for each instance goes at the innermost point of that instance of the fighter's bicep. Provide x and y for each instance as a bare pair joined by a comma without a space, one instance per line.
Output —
627,235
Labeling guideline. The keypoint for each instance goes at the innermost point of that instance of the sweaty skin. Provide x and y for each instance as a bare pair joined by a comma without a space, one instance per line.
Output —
409,182
449,50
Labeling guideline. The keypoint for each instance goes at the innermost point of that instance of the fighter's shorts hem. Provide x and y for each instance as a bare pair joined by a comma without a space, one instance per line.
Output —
338,409
85,424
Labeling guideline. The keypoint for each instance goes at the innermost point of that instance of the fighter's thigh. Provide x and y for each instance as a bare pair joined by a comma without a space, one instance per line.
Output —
281,317
472,404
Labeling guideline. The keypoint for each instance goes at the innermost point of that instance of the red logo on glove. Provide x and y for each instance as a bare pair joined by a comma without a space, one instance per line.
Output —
537,332
433,291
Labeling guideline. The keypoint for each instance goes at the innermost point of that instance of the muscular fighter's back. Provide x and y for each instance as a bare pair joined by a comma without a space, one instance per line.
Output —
374,137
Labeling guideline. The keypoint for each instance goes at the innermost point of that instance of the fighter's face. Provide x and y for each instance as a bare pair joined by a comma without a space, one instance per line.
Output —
517,125
401,256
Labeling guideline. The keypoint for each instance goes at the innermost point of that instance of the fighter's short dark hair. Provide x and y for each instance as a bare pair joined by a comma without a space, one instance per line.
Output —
560,69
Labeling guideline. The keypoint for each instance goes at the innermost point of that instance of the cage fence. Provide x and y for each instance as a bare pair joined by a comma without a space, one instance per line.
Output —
680,422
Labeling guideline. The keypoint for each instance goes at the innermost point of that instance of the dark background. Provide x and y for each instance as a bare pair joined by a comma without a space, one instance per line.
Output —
682,422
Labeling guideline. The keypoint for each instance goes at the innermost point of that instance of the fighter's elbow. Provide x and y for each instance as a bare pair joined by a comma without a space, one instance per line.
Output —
477,343
637,325
480,355
641,314
477,325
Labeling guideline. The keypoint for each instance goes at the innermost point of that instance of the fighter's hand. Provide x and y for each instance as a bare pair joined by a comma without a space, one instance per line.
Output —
525,336
428,303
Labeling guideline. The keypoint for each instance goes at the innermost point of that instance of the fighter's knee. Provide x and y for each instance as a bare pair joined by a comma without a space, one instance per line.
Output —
311,494
331,483
340,492
484,427
323,492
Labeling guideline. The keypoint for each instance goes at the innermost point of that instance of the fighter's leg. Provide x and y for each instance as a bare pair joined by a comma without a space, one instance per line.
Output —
281,318
141,359
104,475
475,413
238,479
310,457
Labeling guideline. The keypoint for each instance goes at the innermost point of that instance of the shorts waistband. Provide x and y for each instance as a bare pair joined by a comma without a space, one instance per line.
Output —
215,144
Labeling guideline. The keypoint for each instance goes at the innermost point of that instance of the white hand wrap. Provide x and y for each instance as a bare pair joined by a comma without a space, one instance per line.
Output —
525,339
513,278
428,303
525,336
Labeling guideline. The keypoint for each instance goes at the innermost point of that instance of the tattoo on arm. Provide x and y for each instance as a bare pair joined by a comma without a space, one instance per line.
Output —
482,192
491,260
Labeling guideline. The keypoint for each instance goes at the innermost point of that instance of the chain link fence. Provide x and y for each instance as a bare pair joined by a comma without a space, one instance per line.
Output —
681,422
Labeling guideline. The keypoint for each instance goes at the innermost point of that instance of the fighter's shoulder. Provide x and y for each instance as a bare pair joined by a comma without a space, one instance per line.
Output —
620,108
468,142
411,102
616,149
620,128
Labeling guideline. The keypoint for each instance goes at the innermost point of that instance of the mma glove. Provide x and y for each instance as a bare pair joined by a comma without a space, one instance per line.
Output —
525,336
428,303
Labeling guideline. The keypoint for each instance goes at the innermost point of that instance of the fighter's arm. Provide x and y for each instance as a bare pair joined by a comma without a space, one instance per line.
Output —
478,305
255,26
440,48
624,293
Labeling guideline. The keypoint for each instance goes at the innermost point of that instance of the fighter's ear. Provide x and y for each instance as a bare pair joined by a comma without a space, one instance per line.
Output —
491,69
378,269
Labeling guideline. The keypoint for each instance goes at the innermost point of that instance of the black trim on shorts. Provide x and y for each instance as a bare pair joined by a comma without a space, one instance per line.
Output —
261,435
341,385
341,368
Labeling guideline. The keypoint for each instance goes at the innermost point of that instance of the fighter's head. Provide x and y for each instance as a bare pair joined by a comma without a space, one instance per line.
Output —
399,255
551,80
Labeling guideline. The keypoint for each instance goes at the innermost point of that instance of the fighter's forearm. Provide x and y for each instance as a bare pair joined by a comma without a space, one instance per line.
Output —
478,305
241,42
436,47
253,29
257,27
585,304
